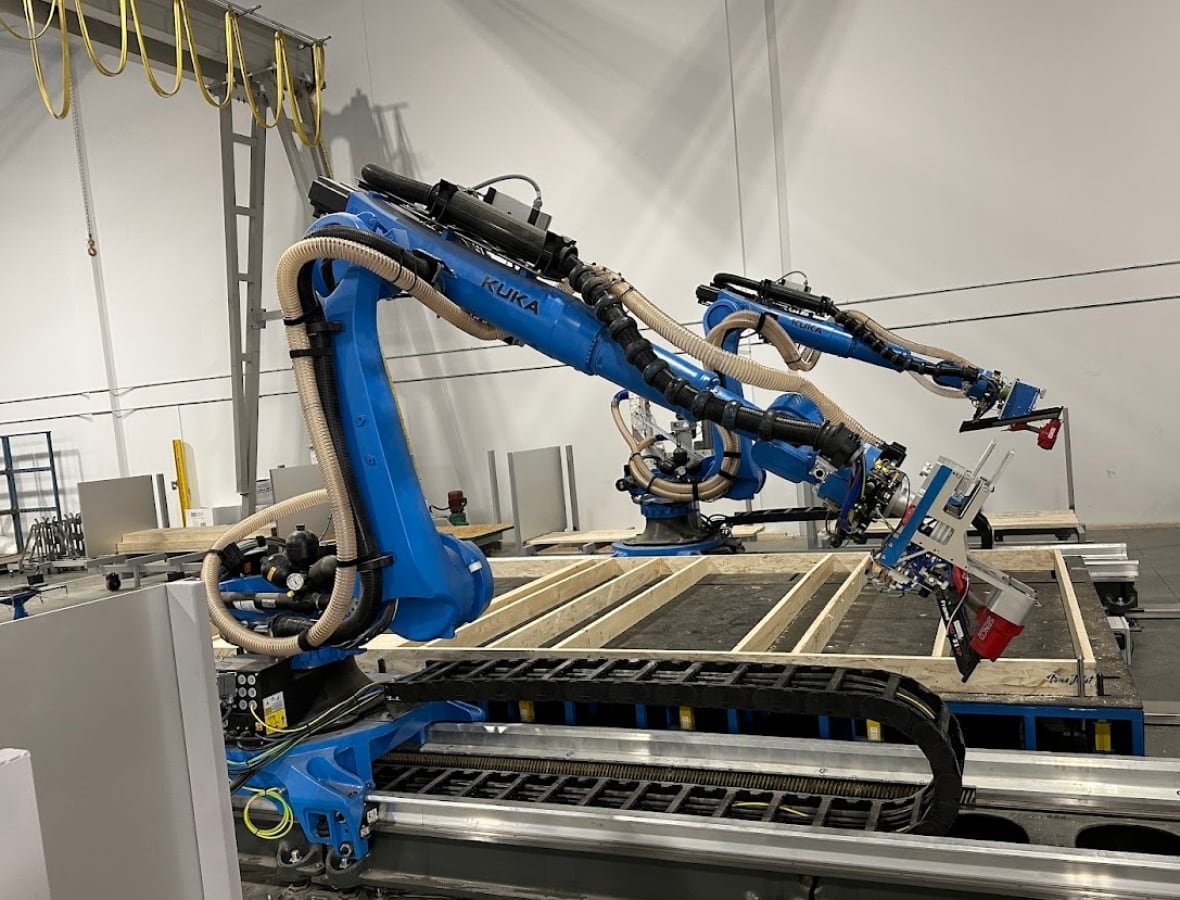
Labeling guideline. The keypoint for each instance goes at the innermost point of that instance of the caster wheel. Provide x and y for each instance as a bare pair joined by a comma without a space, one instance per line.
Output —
114,582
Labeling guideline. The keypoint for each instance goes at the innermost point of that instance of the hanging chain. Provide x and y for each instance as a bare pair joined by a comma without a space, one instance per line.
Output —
84,179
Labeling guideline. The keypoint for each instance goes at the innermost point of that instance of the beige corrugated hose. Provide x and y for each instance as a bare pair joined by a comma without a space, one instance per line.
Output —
711,488
914,347
290,264
783,381
746,370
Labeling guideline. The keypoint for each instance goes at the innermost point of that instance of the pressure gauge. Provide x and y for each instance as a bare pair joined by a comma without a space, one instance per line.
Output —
295,581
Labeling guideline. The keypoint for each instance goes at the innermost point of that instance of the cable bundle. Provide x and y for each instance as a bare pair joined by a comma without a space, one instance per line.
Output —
235,58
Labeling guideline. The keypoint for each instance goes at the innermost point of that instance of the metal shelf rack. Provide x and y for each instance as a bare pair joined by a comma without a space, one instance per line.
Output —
9,473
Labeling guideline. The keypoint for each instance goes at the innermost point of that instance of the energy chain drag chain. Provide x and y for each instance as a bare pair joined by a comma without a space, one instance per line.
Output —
899,704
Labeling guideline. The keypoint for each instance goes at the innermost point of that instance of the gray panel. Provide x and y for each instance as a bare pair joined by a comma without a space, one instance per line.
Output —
162,502
201,720
113,507
291,481
572,484
100,711
495,486
538,492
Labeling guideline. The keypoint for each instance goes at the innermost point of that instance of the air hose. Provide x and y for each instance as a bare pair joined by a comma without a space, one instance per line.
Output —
832,439
420,271
226,624
291,264
712,488
875,335
747,370
719,484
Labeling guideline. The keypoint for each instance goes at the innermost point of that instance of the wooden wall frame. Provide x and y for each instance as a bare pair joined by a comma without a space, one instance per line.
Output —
569,598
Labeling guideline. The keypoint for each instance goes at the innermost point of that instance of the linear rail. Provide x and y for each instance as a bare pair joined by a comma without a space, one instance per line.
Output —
1134,787
708,835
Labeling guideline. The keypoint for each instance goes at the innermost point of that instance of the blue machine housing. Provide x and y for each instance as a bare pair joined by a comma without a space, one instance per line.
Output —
325,779
1021,400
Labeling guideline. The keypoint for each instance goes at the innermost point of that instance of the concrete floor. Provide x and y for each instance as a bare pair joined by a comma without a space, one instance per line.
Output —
1153,664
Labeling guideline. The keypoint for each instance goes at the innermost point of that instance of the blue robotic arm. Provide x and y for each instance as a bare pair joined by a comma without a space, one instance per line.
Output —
493,268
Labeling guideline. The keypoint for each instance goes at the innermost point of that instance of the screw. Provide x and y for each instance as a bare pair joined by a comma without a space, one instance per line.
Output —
339,817
345,850
370,460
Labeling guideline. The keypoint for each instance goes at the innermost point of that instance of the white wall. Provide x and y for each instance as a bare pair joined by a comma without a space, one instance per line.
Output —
922,145
932,144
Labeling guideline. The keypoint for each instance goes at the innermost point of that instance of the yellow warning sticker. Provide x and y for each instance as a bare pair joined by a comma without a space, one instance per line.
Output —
1102,736
274,712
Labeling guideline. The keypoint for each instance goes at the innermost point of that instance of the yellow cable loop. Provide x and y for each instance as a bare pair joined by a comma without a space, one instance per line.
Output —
184,36
286,815
277,105
143,54
317,104
35,52
91,52
31,36
230,20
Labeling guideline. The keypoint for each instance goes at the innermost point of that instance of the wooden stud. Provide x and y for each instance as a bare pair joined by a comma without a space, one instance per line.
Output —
639,607
532,588
533,566
538,584
1073,613
775,563
573,612
609,536
762,636
507,616
941,646
817,636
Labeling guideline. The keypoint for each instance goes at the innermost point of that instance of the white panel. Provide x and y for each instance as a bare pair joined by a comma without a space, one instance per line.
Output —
22,867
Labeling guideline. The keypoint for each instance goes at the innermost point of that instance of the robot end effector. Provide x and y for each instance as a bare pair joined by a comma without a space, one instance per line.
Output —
982,608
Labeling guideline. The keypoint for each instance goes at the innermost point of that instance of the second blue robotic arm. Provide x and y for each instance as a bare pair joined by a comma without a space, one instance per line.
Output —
817,322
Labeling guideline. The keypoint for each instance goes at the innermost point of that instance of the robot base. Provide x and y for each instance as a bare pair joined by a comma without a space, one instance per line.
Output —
713,545
324,777
677,530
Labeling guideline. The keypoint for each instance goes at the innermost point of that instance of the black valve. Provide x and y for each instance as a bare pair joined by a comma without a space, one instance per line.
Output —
321,574
276,568
303,547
